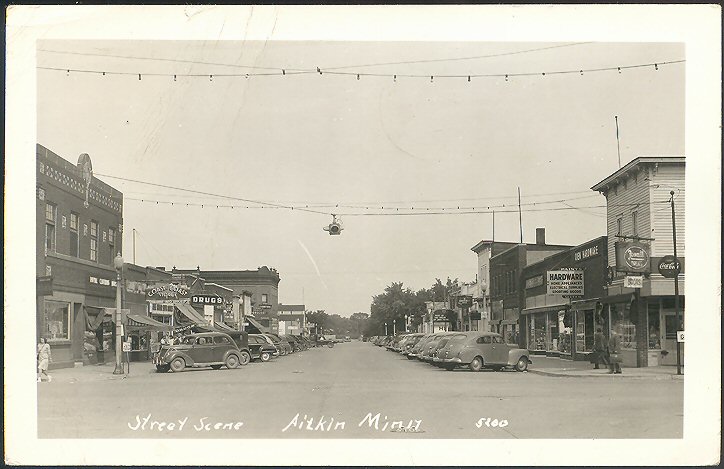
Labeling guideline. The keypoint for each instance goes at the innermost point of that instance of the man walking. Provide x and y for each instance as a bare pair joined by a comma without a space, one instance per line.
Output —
43,356
614,351
600,355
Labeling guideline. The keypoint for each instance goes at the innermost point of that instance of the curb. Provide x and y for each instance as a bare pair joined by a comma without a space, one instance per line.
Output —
606,375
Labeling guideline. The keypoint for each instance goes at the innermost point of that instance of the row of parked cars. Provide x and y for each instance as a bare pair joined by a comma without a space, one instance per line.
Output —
232,349
450,350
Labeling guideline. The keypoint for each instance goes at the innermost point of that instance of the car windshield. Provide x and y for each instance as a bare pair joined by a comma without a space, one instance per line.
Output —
188,340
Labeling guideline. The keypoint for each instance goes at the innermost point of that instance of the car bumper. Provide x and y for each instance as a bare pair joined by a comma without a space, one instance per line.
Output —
452,360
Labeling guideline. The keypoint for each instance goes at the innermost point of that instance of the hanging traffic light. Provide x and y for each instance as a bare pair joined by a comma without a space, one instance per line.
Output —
334,228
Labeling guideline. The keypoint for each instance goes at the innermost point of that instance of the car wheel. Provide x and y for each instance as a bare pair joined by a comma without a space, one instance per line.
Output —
232,361
216,367
522,364
476,364
244,358
162,368
178,364
265,356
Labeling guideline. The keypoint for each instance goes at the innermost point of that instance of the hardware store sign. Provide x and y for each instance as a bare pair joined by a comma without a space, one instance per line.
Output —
565,282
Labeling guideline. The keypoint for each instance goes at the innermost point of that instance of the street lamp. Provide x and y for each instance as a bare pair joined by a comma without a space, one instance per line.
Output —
118,264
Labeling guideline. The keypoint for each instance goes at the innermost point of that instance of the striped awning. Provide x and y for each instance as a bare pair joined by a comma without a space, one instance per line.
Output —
188,311
137,321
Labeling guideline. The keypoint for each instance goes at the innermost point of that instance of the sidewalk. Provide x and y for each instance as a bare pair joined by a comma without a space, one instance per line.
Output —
92,373
550,366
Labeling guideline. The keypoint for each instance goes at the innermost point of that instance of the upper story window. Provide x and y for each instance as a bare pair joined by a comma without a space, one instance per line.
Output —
264,298
74,238
111,243
94,240
619,225
635,223
51,214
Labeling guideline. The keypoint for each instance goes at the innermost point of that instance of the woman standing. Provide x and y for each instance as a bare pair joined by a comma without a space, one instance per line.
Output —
43,356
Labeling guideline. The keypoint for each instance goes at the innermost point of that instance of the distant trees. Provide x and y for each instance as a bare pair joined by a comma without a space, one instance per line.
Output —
397,303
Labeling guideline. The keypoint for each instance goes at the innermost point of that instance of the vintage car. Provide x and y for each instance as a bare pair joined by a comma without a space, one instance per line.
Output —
280,343
261,348
478,350
212,349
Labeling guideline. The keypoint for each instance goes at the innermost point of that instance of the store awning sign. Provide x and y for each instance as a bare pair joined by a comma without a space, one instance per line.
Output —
632,257
633,281
167,291
565,282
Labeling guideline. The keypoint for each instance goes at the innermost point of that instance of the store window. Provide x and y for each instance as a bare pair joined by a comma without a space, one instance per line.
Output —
538,332
654,326
621,318
94,240
51,213
264,298
57,320
671,328
74,247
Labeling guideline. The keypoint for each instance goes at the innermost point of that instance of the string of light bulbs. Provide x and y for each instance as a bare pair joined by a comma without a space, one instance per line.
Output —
359,74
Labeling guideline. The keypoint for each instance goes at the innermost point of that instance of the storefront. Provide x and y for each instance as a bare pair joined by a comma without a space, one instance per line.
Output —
549,330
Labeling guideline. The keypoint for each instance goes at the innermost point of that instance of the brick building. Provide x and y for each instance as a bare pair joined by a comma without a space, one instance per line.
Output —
79,222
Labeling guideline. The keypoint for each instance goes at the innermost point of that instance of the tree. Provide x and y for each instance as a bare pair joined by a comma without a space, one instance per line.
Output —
319,318
359,322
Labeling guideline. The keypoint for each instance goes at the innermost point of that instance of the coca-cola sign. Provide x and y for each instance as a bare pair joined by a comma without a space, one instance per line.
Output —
669,266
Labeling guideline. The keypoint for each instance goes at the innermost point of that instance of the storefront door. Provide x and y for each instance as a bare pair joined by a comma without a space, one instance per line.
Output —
668,341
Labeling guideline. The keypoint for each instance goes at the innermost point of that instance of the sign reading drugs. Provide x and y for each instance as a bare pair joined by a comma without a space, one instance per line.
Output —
632,257
565,282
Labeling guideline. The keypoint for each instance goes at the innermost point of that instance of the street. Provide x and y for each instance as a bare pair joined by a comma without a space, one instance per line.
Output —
339,392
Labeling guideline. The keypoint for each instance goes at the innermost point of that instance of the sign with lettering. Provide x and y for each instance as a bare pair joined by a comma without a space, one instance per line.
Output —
167,291
475,316
633,281
632,257
533,282
465,301
101,281
203,299
680,336
126,346
44,285
585,253
565,282
669,266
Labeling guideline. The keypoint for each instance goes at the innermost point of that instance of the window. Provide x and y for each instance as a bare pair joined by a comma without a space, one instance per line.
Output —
619,225
74,239
94,240
498,340
634,222
484,339
220,339
50,217
264,298
57,320
112,243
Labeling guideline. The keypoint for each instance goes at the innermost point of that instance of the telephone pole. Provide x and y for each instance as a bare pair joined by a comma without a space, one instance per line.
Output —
676,289
520,217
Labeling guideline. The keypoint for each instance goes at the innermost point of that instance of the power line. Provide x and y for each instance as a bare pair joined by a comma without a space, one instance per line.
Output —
257,67
358,74
500,54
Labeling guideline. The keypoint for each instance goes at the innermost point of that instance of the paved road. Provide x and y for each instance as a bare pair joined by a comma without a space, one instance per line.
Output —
352,383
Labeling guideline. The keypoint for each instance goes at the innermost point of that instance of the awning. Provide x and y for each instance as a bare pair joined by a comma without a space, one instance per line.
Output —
624,298
188,311
544,309
256,324
137,321
223,327
583,305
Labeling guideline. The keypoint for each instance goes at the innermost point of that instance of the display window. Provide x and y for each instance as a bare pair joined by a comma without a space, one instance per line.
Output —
621,318
538,332
654,337
57,320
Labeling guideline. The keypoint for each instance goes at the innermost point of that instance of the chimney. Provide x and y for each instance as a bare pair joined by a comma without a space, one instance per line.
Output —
540,236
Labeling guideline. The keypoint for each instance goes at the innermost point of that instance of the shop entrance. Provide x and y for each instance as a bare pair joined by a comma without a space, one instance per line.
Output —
668,341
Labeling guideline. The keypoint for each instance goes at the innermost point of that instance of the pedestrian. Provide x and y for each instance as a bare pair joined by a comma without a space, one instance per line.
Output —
614,351
600,354
43,356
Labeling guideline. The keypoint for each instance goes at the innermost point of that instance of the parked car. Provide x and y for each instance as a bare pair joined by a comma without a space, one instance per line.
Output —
260,348
241,339
295,342
280,343
478,350
410,341
214,349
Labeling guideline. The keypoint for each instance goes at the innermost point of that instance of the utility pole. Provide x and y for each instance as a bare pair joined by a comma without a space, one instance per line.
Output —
134,245
676,289
493,226
520,218
618,145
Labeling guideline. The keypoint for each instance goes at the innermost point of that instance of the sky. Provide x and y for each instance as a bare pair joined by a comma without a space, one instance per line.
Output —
350,146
